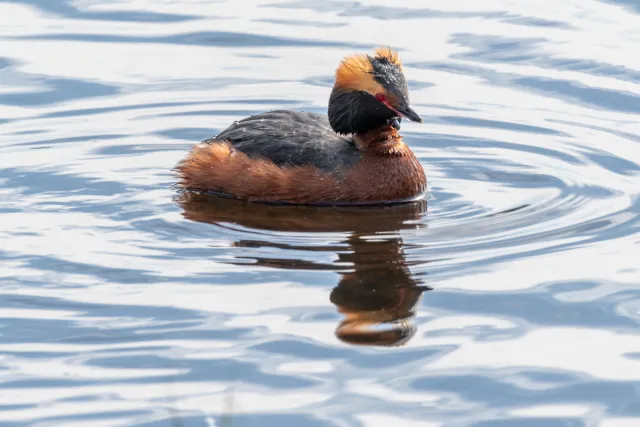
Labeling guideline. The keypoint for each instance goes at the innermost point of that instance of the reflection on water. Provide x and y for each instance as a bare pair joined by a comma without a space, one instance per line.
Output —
514,300
380,290
376,287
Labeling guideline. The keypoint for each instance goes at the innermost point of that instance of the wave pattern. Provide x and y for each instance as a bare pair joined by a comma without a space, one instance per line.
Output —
509,298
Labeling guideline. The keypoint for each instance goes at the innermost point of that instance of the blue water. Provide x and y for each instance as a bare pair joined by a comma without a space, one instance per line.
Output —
511,298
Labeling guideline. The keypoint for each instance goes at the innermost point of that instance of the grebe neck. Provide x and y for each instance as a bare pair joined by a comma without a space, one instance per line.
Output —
384,140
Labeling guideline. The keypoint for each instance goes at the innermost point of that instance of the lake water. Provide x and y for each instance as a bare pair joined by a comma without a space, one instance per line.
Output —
511,298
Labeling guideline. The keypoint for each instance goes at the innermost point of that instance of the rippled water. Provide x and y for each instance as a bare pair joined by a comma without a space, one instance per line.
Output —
511,299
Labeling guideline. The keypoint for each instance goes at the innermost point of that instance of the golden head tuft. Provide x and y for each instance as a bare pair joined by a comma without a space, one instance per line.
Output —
390,55
356,71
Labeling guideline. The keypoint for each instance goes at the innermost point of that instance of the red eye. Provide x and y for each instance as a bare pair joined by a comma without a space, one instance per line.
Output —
380,97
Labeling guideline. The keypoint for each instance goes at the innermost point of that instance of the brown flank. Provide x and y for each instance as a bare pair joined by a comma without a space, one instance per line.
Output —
388,170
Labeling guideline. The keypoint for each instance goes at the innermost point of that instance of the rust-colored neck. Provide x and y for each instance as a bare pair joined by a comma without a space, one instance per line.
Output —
385,140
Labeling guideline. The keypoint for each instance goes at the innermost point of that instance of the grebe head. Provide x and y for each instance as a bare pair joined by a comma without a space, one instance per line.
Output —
369,92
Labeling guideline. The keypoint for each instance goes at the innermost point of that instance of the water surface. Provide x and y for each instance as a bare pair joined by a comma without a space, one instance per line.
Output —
511,297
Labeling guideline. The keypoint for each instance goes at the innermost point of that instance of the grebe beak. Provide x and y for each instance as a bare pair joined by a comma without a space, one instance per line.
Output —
409,114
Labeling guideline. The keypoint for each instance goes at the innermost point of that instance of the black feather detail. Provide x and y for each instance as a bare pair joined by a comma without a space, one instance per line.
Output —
291,138
356,112
390,76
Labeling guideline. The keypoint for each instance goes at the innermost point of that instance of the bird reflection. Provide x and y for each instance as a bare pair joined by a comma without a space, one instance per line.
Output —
376,294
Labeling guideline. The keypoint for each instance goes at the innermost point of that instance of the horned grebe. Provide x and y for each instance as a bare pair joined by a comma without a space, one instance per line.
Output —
354,155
